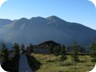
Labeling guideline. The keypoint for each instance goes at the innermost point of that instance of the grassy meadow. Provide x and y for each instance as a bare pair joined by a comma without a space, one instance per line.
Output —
52,63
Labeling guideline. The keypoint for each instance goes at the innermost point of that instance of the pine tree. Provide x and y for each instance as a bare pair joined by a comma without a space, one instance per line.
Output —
75,52
63,53
93,51
4,52
57,50
51,49
16,49
22,48
29,49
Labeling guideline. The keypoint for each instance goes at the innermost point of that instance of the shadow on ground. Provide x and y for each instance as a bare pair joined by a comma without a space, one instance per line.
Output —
33,63
11,65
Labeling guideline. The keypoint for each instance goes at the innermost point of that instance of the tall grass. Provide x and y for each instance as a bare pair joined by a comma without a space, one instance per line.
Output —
51,63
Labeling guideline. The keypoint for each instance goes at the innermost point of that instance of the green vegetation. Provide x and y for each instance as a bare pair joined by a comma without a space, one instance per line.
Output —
8,62
75,51
52,63
93,51
29,49
16,49
4,53
22,48
63,53
60,58
12,65
33,63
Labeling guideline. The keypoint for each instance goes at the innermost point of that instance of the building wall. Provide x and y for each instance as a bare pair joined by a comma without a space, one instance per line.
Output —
41,50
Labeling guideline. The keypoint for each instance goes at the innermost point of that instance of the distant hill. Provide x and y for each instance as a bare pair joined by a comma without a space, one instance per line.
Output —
38,30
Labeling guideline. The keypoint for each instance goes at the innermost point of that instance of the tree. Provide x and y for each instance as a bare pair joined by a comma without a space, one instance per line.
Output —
30,49
51,49
22,48
75,52
4,52
57,50
63,53
16,49
93,51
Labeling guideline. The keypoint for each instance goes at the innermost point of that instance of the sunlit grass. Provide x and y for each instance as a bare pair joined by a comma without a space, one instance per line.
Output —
51,63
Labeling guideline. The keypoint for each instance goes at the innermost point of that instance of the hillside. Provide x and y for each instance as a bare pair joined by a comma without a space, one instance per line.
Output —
38,30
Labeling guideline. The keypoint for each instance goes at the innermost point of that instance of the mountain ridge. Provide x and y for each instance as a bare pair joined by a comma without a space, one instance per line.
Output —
4,22
38,29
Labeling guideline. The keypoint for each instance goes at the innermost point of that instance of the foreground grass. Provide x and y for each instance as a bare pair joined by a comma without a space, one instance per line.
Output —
51,63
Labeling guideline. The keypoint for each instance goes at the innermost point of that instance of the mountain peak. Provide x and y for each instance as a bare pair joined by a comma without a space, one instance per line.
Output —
24,19
37,17
53,17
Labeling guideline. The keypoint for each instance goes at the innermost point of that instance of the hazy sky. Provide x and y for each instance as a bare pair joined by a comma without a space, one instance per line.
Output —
80,11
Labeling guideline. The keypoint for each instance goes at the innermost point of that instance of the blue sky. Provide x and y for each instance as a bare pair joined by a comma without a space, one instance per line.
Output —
80,11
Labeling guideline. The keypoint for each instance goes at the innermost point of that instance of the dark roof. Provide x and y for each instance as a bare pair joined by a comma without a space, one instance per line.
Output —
48,43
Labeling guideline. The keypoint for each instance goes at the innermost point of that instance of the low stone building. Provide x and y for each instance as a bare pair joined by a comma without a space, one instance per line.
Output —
41,49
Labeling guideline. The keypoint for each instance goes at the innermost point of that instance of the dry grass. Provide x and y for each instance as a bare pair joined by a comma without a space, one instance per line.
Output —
51,63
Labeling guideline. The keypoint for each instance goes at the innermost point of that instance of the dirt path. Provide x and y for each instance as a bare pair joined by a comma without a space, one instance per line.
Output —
23,64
